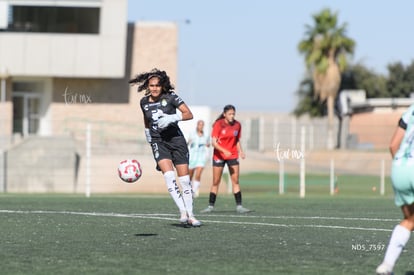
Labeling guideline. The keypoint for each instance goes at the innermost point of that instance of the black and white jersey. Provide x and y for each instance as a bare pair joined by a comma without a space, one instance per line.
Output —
167,104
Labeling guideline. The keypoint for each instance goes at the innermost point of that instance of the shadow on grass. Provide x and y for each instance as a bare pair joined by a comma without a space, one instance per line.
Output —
184,225
145,235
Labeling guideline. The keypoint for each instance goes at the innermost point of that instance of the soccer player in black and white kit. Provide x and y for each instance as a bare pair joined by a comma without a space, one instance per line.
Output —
169,147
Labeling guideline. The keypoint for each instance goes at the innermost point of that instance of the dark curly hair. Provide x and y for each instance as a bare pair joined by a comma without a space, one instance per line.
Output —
142,81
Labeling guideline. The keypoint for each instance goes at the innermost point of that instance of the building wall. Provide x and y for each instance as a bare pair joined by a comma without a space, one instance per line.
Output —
374,129
155,46
113,101
70,55
6,118
69,101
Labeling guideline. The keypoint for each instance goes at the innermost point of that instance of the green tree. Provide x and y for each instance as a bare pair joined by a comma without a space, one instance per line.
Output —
400,81
308,103
355,77
326,48
359,77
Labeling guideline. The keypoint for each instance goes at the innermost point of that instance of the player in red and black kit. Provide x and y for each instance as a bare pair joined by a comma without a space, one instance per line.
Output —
169,147
225,139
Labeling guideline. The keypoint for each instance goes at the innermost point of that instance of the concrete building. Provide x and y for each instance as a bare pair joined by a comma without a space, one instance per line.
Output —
65,64
58,56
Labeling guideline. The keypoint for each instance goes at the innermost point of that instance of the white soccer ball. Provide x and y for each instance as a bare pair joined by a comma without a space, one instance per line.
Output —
129,170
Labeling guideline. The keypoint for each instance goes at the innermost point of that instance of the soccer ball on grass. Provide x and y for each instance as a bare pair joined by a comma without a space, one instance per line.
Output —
129,170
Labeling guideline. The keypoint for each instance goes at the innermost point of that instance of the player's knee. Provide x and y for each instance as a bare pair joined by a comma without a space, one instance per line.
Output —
185,182
216,183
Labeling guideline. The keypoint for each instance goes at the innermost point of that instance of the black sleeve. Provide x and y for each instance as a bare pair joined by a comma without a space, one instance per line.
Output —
176,100
402,124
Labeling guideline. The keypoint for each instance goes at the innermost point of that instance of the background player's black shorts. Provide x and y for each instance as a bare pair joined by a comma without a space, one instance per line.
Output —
174,149
222,162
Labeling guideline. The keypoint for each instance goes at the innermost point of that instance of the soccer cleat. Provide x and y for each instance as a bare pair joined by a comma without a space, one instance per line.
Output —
209,209
193,222
240,209
384,269
184,217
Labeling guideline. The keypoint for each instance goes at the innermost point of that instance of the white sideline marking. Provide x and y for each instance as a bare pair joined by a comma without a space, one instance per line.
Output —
161,216
306,225
311,218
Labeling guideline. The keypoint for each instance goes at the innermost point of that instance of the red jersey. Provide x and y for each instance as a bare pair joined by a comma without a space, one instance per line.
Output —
227,136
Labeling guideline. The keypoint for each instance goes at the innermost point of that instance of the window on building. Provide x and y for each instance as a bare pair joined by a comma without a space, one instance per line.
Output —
53,19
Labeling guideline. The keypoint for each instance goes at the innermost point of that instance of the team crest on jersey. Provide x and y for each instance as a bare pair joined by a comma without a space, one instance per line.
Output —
163,102
235,133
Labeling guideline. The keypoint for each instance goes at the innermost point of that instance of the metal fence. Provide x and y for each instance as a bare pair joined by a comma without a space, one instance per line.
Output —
265,133
101,145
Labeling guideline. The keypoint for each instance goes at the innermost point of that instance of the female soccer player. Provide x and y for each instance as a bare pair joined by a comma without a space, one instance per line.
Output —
169,147
402,177
199,143
225,138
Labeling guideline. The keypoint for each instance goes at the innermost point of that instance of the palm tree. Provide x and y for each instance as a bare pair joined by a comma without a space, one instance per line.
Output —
326,48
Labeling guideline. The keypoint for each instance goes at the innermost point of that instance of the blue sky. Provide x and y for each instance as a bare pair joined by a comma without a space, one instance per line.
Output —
245,53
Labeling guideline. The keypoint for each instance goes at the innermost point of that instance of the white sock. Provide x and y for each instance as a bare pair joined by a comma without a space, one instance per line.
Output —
196,185
399,238
173,189
187,194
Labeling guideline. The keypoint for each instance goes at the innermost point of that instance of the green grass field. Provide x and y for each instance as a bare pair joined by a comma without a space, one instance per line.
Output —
350,185
140,234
